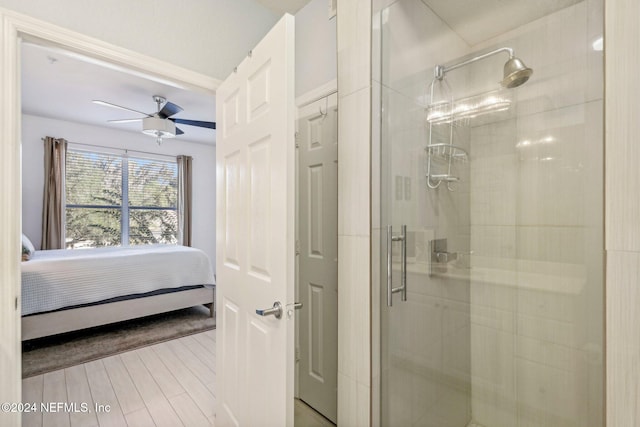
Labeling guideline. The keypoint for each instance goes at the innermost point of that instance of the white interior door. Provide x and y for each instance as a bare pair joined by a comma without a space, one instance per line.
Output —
318,260
255,152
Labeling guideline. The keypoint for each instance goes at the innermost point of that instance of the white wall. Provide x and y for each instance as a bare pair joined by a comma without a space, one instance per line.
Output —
204,171
210,37
316,53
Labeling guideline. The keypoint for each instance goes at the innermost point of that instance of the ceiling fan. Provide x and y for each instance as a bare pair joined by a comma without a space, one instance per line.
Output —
159,124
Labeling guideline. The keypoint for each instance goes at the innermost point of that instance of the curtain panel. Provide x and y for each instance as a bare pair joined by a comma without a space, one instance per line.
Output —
53,233
184,200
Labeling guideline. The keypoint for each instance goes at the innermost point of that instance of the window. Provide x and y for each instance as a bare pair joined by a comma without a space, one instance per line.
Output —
114,200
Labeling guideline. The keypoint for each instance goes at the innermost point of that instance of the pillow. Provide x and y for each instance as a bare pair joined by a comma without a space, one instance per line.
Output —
27,248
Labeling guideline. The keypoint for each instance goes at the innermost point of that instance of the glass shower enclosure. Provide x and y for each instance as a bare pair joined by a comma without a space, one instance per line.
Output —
488,198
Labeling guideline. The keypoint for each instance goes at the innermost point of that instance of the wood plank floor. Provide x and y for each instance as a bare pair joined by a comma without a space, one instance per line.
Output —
168,384
306,416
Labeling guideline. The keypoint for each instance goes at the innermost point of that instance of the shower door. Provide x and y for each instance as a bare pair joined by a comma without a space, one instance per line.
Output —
489,238
425,328
425,331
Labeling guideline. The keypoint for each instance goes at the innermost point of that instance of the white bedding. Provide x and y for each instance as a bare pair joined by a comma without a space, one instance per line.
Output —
56,279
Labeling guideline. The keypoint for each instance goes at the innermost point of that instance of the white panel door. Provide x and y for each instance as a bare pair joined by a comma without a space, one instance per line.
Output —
318,222
255,169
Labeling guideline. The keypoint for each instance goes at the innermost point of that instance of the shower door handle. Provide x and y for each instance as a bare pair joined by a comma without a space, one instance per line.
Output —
403,264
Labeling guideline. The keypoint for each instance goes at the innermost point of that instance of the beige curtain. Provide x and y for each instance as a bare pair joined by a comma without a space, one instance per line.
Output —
184,200
55,150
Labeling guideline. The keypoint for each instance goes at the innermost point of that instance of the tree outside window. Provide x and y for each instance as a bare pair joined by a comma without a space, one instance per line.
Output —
116,200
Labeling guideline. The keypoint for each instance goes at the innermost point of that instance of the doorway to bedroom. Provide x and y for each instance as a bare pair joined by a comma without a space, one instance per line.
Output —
122,190
50,79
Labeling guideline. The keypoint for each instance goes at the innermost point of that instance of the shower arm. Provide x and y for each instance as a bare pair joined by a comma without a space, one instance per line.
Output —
441,70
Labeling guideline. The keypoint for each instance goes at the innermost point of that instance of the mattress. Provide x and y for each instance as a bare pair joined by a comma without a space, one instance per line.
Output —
55,279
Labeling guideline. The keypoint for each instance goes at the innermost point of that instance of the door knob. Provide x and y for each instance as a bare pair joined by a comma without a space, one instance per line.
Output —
276,310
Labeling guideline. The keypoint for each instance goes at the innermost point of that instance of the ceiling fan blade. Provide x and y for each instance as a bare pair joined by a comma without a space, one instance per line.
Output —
124,120
179,131
209,125
109,104
169,109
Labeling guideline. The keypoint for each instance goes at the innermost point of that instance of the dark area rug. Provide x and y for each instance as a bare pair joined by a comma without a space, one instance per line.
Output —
61,351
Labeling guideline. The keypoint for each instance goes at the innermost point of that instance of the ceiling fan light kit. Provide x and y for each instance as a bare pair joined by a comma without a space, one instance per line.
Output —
158,128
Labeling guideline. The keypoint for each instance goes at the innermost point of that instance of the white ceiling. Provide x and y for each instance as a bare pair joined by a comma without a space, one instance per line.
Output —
477,21
282,6
59,85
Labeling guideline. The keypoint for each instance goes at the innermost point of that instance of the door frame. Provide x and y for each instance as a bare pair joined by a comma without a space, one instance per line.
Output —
15,27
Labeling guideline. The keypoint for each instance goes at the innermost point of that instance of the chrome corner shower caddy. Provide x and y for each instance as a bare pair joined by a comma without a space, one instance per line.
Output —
447,111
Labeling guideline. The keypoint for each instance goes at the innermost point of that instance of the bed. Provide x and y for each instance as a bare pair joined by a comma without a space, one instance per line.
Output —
67,290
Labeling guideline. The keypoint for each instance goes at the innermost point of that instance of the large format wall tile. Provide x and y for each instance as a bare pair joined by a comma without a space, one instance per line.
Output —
354,164
354,212
354,46
623,347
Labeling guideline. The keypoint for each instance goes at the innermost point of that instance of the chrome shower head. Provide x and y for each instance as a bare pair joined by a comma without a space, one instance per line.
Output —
515,73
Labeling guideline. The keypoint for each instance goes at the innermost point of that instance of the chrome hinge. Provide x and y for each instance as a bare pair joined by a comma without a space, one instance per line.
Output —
16,303
297,247
295,137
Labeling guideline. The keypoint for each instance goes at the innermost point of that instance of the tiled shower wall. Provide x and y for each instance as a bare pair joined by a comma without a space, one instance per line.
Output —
536,232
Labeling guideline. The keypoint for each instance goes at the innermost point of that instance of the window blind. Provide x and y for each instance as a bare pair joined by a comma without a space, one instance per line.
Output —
118,200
